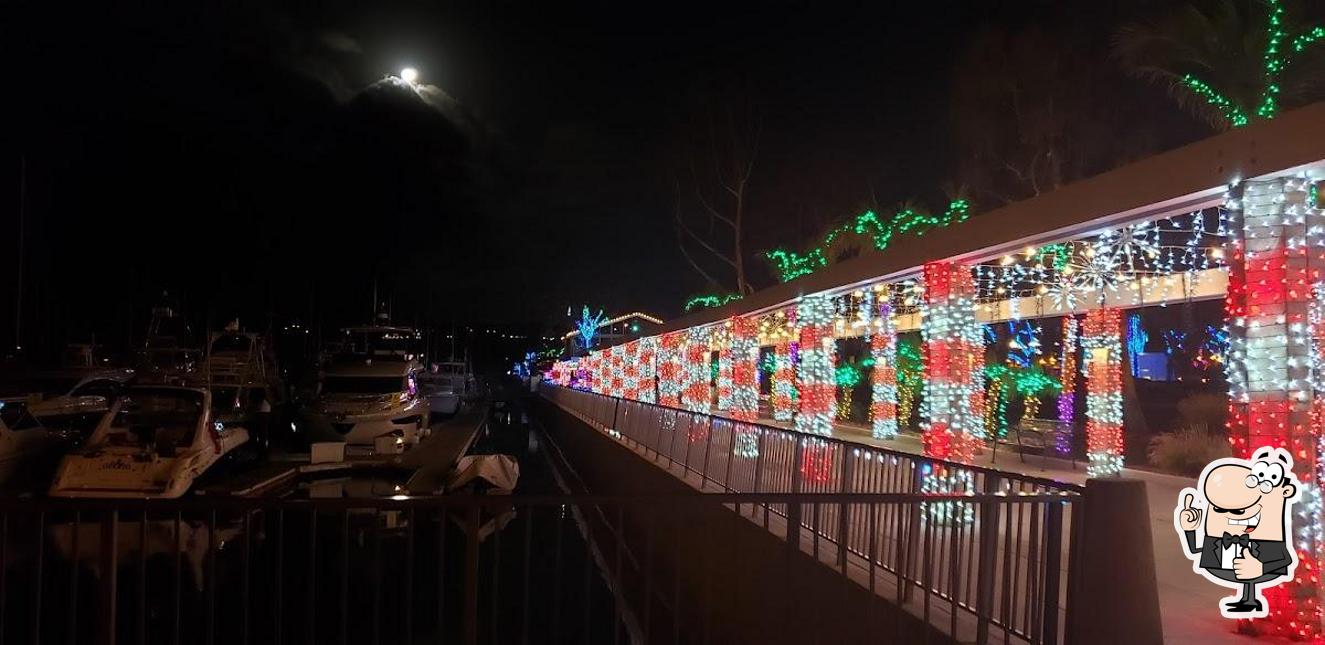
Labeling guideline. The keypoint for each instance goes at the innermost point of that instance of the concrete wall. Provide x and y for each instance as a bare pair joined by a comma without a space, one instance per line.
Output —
737,582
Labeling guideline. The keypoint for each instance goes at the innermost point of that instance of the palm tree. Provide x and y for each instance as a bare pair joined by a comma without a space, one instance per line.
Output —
1227,61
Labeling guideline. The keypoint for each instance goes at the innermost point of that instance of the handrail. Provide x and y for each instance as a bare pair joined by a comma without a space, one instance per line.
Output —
1031,479
50,504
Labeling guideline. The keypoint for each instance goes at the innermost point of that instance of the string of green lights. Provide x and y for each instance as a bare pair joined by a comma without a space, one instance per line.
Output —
707,301
790,265
1275,60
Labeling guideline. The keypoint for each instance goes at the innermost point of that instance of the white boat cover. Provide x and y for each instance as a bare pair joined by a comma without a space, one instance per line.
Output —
502,471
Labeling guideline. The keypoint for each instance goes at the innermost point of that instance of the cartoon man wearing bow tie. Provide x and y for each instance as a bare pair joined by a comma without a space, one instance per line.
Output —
1248,541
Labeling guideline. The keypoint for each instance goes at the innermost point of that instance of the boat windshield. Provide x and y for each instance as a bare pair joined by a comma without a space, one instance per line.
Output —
162,420
363,385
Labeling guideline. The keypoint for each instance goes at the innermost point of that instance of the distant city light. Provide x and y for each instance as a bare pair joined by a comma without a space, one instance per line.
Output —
409,75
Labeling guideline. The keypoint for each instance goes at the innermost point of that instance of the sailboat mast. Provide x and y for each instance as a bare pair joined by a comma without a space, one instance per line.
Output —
22,207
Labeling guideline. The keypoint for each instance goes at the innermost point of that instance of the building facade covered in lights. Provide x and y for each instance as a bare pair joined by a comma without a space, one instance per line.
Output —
614,331
1235,218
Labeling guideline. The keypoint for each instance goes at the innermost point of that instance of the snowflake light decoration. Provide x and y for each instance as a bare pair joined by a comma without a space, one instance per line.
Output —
1131,248
1097,273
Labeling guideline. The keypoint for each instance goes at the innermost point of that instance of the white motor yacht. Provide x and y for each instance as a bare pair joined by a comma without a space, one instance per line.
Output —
154,442
447,385
82,407
26,448
369,393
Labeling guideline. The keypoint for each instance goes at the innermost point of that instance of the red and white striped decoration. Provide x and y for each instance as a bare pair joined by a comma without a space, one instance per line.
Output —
814,377
696,394
953,405
744,354
671,375
646,366
883,349
1102,349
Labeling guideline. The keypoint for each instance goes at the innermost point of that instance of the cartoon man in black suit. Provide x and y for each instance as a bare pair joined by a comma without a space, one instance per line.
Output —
1247,538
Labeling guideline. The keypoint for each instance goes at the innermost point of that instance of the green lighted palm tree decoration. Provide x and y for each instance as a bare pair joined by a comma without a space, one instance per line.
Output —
1220,65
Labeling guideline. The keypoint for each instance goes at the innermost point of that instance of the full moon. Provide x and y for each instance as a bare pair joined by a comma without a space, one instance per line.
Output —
409,74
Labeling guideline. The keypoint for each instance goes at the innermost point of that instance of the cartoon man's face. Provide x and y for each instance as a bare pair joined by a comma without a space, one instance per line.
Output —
1249,501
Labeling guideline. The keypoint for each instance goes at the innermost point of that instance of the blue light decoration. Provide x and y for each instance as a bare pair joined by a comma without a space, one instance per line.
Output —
522,367
1024,343
1213,350
1174,339
1136,342
588,326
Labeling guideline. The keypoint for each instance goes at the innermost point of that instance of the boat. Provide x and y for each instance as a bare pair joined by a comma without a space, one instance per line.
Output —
368,393
240,372
447,385
81,408
28,452
166,356
154,442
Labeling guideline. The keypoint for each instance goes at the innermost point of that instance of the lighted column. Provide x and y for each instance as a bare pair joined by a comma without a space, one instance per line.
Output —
647,369
594,371
616,371
1102,351
953,405
1067,397
670,373
814,376
723,340
883,349
782,392
695,395
1270,276
744,358
630,383
1275,260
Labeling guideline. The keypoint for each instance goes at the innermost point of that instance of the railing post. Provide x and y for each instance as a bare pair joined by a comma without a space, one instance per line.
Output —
708,443
844,509
1115,521
616,409
109,572
913,528
1053,541
794,508
731,456
470,617
984,593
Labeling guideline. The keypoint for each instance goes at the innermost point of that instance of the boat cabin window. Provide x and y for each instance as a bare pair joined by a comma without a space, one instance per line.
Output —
380,344
363,385
163,421
231,343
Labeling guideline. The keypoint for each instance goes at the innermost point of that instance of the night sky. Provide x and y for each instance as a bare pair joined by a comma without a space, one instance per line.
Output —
249,157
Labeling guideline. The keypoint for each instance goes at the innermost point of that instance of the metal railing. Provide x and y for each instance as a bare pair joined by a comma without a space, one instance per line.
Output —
457,569
999,564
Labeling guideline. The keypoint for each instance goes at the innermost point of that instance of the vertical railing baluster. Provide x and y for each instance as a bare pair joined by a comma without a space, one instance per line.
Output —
844,509
470,621
312,575
278,584
244,595
984,598
109,571
72,623
4,572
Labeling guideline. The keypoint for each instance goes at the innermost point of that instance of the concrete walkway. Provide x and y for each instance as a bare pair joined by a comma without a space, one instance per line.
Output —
1188,603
